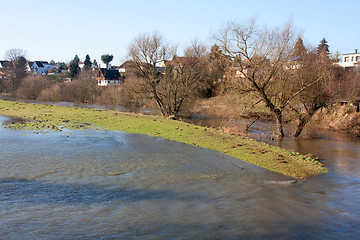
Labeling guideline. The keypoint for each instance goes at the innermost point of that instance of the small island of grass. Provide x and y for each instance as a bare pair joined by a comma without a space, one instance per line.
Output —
55,118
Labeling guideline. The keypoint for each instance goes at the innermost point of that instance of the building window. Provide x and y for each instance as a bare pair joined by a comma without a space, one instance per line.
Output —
346,59
358,58
109,81
352,59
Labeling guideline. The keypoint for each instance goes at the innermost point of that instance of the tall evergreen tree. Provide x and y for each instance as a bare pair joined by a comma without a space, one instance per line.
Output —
95,63
74,67
87,63
323,47
76,58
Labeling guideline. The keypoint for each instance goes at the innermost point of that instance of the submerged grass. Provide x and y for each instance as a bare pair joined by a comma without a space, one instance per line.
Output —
47,117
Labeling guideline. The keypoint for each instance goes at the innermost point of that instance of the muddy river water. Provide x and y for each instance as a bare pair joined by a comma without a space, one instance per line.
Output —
113,185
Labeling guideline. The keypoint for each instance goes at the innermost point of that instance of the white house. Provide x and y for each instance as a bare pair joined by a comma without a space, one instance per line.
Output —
350,60
107,77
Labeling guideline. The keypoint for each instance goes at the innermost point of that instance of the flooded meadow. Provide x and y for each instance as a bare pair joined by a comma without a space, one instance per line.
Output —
109,184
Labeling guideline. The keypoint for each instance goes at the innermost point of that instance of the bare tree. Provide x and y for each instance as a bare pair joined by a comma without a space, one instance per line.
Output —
211,66
263,58
16,70
196,50
319,72
146,52
162,76
14,54
180,83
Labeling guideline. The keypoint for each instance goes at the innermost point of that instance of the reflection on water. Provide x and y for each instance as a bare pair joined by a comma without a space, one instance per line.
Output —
342,157
340,151
103,185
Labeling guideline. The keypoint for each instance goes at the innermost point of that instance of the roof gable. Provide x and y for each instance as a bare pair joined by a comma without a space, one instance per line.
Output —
110,74
39,64
185,61
5,63
127,64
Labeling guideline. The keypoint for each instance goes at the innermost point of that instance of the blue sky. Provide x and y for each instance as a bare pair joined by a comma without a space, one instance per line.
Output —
60,29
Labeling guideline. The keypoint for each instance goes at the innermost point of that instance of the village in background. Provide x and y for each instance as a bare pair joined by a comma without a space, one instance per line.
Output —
278,79
114,75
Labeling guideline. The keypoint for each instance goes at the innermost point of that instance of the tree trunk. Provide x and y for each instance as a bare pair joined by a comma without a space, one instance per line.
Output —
300,127
279,124
250,124
276,111
302,122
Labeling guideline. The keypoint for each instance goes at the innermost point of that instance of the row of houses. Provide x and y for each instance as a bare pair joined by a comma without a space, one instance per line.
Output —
38,67
115,75
104,77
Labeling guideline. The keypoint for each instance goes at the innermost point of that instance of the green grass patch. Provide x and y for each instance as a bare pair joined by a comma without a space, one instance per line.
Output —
55,118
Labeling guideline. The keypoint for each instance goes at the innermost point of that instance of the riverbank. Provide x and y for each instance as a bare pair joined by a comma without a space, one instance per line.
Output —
38,117
336,118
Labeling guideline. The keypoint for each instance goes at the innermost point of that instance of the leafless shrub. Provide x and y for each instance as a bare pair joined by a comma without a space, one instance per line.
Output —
110,95
53,93
233,106
131,94
260,56
82,89
31,87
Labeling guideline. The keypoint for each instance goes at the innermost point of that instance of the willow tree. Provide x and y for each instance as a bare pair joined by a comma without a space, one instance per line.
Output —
264,59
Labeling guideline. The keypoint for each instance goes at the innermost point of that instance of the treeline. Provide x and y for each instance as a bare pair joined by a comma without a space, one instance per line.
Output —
82,89
271,67
74,86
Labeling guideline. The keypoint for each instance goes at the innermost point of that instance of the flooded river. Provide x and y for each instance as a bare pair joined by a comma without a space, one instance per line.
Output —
113,185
